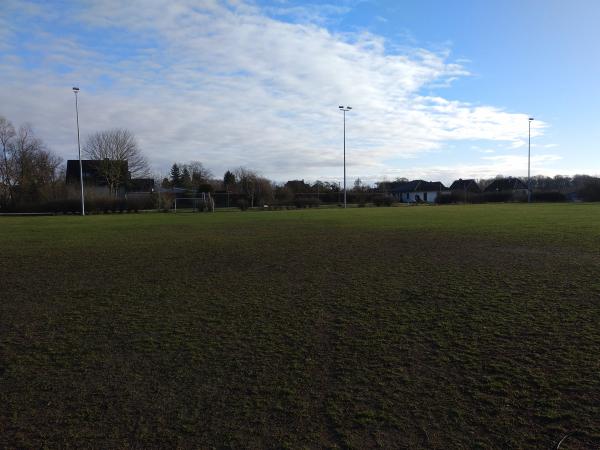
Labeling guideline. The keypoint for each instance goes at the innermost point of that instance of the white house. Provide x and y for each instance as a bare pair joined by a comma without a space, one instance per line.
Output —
418,191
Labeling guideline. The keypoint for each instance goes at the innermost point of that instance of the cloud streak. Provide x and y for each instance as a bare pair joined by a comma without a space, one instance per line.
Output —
230,84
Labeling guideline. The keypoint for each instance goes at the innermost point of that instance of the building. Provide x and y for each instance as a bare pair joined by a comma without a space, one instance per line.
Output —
506,190
418,191
93,171
98,175
462,186
141,185
509,184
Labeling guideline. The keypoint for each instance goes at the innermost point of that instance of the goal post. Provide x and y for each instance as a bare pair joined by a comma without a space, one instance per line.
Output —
194,204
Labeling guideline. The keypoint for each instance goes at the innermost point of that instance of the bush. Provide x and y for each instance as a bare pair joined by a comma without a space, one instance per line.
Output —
105,204
551,196
307,202
590,192
57,206
243,204
383,200
502,196
446,198
92,205
143,202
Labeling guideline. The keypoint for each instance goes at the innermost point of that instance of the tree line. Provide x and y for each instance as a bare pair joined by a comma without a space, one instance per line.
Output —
31,173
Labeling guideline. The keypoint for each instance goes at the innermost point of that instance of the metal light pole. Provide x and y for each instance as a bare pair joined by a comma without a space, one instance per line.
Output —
76,91
344,109
531,119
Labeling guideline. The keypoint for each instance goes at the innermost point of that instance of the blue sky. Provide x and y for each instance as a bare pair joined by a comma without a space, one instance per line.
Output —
440,89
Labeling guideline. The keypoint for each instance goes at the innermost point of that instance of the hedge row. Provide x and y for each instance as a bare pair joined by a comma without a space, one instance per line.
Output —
495,197
67,206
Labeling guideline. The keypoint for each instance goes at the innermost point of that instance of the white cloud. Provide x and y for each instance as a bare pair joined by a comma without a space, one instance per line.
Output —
227,84
520,161
487,167
310,13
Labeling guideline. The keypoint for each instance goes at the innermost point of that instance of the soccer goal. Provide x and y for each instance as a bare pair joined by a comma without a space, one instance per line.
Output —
194,204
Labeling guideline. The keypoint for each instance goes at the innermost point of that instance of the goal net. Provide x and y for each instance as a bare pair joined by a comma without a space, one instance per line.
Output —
194,204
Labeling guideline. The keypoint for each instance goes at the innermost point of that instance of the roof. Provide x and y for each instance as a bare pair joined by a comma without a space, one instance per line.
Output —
469,184
505,184
419,186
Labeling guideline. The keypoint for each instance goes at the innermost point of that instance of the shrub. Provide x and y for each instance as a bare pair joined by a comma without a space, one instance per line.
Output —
590,192
307,202
502,196
383,200
142,202
243,204
92,205
551,196
446,198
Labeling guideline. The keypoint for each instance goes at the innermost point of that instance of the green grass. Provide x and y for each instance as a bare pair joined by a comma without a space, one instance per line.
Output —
435,327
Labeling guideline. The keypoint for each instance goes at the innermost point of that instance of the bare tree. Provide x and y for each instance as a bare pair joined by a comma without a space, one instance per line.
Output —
28,169
264,190
36,166
199,173
258,189
246,181
118,152
7,134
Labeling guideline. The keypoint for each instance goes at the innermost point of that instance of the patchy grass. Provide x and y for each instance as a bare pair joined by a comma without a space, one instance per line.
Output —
439,327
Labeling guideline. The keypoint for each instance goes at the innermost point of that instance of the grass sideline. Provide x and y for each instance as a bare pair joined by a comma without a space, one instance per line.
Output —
471,326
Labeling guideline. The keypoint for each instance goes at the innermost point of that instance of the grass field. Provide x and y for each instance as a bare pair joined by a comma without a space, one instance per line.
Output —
434,327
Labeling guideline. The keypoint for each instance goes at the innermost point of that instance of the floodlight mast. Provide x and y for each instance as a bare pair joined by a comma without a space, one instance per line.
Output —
345,109
76,91
531,119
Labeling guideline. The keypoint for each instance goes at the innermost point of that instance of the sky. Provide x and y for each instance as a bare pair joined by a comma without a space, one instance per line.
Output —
439,90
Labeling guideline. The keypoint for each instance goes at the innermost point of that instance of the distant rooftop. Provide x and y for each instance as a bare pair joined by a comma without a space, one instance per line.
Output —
505,184
420,186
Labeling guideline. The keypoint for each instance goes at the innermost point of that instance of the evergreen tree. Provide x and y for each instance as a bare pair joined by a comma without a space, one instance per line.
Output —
186,179
228,180
175,176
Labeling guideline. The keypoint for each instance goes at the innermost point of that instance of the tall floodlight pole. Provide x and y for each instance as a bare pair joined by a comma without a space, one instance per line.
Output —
344,109
531,119
76,91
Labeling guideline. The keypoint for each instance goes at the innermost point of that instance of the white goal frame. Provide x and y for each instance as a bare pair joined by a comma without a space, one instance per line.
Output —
206,198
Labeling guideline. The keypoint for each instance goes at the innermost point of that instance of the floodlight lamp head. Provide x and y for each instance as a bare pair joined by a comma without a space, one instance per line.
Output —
349,107
531,119
341,107
75,89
